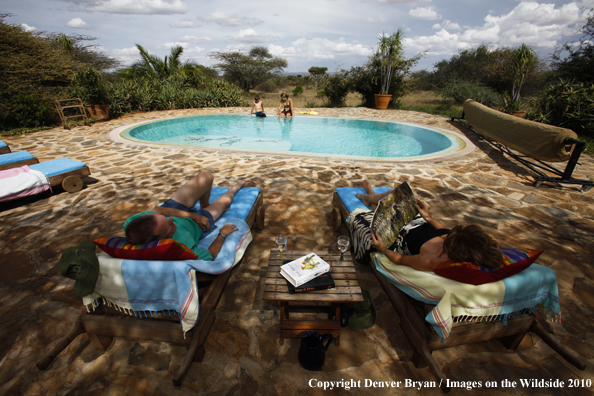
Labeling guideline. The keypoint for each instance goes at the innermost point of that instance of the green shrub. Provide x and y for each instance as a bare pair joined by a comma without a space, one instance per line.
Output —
336,88
567,104
90,86
298,90
462,90
27,109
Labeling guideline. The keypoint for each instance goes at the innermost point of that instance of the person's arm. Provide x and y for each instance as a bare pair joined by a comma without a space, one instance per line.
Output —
415,262
279,108
217,244
423,209
170,212
252,110
291,104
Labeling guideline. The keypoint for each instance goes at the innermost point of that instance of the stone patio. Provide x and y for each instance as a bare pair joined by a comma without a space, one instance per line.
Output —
243,355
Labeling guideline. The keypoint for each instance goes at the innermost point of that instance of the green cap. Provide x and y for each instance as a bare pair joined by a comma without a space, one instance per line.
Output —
80,263
363,315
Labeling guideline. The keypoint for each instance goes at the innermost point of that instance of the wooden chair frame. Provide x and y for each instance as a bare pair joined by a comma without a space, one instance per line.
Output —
104,323
425,340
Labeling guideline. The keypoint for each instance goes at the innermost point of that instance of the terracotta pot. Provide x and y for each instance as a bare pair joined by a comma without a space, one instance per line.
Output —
98,112
382,101
519,114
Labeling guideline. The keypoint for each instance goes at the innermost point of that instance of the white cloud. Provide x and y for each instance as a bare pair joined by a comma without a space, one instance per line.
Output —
28,28
426,13
542,26
223,19
319,49
250,36
448,25
168,46
402,1
380,19
160,7
126,55
77,23
200,40
184,24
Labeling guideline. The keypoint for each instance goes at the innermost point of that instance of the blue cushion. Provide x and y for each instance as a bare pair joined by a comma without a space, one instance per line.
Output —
350,200
242,203
57,166
10,158
2,144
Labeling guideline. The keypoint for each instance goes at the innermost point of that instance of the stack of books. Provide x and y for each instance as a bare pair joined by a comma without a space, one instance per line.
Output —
307,273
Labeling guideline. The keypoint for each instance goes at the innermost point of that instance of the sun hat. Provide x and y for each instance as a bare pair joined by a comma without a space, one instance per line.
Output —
362,316
80,263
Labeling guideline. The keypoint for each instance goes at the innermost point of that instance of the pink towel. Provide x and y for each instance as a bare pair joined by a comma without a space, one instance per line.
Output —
20,182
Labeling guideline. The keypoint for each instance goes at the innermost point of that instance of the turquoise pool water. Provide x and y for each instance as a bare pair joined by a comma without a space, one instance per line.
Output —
308,135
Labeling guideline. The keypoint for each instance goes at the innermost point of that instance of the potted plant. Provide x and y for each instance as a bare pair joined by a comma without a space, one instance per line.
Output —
389,53
90,86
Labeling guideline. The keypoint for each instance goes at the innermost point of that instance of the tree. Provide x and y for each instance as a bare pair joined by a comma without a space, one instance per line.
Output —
578,64
251,69
317,71
522,62
154,67
81,53
374,76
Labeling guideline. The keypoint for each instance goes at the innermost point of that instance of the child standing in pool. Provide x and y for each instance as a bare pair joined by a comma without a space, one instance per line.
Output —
258,107
287,106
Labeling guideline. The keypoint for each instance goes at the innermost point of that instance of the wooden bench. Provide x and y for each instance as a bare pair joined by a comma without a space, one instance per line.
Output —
536,142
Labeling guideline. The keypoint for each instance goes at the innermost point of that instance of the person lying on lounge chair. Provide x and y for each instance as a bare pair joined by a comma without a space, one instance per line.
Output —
178,219
424,242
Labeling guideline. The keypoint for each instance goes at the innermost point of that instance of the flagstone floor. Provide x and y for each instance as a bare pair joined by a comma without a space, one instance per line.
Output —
243,355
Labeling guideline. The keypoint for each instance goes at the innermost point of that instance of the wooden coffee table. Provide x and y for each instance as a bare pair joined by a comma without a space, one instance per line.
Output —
347,290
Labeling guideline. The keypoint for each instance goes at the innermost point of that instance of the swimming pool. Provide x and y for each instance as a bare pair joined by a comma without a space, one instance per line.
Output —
318,136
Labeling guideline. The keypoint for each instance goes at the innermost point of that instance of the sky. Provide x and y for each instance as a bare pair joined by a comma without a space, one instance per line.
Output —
336,34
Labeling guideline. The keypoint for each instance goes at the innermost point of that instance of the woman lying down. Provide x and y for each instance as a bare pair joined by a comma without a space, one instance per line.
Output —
423,243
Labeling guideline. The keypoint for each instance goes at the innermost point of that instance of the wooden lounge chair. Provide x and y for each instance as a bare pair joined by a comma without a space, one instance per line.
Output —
536,143
14,160
65,172
105,322
421,335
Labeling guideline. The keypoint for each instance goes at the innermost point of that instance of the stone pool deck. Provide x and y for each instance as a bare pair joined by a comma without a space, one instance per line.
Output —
243,355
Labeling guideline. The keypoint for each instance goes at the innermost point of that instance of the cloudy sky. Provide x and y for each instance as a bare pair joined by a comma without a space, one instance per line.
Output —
330,33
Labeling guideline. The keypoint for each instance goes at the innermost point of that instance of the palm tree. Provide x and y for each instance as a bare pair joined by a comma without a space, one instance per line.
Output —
151,65
522,62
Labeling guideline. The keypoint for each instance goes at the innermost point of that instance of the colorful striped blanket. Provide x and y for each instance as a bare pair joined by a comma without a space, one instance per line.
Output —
145,287
20,182
534,288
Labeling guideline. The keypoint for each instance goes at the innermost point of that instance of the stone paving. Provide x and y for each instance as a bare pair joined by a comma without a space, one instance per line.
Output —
243,355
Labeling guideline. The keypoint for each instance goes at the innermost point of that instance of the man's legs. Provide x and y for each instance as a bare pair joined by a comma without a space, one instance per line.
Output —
197,189
371,198
219,206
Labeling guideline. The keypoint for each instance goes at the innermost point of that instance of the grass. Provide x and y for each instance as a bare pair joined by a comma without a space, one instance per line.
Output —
428,102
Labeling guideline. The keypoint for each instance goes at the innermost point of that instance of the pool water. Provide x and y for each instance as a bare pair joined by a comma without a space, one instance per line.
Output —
311,135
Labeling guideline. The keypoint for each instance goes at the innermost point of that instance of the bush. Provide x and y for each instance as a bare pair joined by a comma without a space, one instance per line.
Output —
298,90
336,88
567,104
462,90
90,86
28,110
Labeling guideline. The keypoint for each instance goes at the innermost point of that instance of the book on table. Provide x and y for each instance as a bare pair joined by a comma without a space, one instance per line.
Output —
321,282
304,269
393,212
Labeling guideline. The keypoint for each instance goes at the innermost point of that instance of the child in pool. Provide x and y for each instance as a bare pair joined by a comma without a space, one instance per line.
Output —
287,106
258,107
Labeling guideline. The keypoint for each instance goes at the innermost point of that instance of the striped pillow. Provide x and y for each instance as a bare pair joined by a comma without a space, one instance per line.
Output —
514,261
165,249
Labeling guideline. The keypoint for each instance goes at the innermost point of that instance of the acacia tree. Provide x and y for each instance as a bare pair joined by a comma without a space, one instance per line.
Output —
251,69
578,63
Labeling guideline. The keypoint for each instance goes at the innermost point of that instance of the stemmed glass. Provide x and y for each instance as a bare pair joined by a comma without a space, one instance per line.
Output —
281,243
343,245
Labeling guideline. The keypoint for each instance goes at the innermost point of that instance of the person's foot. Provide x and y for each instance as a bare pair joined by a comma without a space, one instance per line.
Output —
238,186
367,187
364,198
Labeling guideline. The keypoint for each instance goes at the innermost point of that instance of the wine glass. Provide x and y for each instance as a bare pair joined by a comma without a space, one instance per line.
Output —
281,243
343,245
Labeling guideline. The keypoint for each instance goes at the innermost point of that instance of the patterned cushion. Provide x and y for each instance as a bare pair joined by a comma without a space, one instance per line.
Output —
515,260
165,249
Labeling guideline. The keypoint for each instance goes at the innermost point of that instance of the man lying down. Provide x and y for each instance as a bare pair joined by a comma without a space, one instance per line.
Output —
178,219
424,242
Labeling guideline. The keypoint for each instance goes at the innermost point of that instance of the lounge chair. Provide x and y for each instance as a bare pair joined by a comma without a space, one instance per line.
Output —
14,160
4,148
29,180
425,324
110,318
536,143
